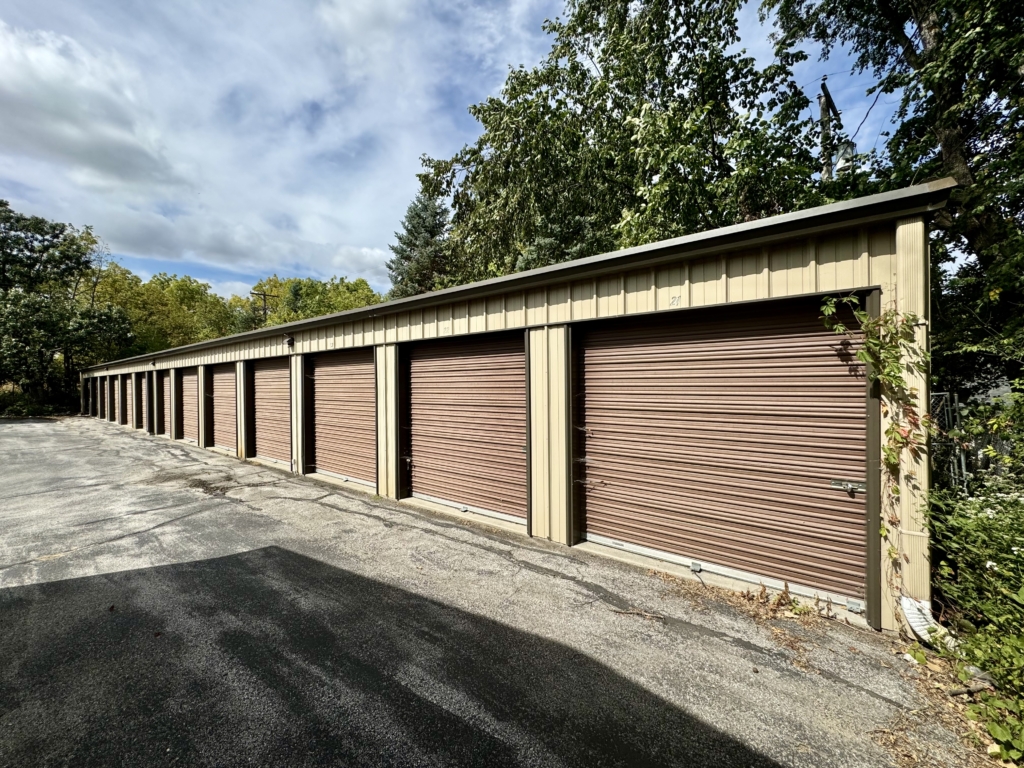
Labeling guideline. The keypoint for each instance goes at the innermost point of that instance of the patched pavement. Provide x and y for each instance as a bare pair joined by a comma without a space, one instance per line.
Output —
162,604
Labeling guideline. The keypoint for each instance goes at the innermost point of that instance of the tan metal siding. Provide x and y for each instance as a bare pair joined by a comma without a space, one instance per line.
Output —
272,402
129,400
190,404
164,422
715,436
225,412
467,423
117,413
344,414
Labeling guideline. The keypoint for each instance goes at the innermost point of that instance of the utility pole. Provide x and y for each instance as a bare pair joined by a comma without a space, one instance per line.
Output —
828,110
265,296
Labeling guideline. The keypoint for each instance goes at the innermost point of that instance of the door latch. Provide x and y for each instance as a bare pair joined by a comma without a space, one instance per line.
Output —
850,486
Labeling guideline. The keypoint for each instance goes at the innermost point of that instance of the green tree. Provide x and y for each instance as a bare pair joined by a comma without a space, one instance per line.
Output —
421,256
958,66
49,323
300,298
642,123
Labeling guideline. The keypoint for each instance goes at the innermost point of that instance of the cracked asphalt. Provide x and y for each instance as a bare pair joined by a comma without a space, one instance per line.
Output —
161,604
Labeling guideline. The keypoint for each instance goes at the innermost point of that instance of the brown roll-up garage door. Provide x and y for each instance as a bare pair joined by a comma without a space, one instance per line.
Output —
190,404
225,413
144,399
102,402
163,423
467,423
129,401
272,402
117,414
345,414
715,435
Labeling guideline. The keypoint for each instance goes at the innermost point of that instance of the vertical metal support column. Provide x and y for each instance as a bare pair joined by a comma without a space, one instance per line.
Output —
550,443
386,362
82,381
297,371
241,410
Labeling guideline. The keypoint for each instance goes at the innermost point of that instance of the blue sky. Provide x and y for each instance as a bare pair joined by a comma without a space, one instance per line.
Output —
229,140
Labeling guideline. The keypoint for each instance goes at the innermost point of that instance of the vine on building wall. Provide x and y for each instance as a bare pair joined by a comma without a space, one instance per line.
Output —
891,354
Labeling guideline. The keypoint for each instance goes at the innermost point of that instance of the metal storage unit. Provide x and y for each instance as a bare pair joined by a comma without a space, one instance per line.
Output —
163,421
102,413
272,406
190,404
129,400
225,412
715,436
345,415
466,440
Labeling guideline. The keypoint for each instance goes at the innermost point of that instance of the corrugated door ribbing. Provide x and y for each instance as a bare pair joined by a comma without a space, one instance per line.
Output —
144,399
272,402
103,399
190,404
164,424
467,423
129,401
715,435
345,414
225,414
118,404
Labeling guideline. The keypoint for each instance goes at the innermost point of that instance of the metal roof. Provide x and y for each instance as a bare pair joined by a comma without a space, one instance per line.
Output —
919,199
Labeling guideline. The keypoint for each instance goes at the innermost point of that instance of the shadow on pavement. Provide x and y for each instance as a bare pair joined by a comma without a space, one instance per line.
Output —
273,658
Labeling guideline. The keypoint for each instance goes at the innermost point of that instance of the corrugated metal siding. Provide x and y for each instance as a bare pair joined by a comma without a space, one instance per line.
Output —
190,404
129,401
225,411
715,436
164,423
467,423
272,401
855,258
344,414
117,414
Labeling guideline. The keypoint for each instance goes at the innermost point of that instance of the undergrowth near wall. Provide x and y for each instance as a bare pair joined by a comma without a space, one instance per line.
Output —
977,532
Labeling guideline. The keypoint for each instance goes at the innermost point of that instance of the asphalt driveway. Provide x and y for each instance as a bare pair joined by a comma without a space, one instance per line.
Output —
160,604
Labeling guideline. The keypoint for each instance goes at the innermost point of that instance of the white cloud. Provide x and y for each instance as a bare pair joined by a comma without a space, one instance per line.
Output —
275,135
229,288
65,105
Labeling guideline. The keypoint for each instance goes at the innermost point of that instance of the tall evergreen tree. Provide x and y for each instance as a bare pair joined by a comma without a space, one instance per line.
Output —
421,255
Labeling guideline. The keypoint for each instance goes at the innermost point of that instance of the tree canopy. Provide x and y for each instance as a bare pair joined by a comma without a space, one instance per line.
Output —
65,305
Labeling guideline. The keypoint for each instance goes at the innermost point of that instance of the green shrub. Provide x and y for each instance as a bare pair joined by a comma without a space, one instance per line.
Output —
15,404
979,540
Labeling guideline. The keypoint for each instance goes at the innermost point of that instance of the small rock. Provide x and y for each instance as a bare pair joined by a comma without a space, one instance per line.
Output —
911,659
756,670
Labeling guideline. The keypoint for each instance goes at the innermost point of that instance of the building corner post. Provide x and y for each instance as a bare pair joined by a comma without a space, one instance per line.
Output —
909,574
